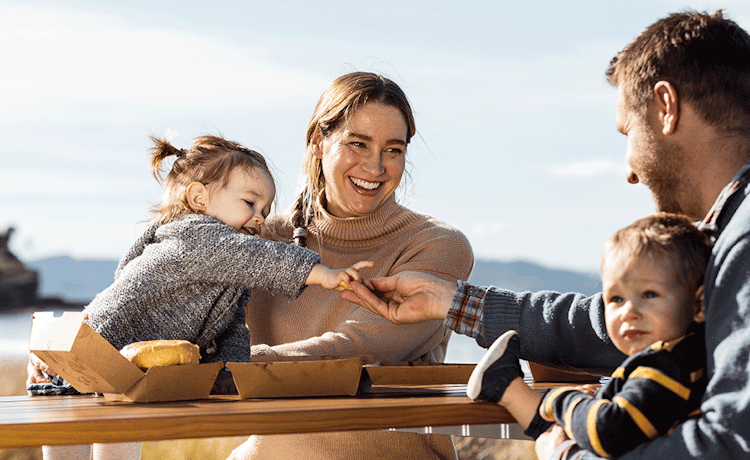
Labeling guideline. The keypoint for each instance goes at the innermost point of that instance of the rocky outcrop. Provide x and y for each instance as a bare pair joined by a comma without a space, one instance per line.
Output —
18,283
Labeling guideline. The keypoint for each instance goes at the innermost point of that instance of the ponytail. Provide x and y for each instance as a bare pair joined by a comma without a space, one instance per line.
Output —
162,150
300,218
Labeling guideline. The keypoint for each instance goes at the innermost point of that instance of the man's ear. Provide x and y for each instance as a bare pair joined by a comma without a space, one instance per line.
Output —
700,312
667,105
197,196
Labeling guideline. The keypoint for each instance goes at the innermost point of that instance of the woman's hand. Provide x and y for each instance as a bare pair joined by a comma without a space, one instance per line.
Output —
404,298
34,371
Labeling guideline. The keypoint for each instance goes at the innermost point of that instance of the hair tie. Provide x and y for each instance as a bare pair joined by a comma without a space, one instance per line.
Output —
299,235
181,153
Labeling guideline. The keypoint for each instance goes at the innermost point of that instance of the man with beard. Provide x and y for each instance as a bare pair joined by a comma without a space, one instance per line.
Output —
683,101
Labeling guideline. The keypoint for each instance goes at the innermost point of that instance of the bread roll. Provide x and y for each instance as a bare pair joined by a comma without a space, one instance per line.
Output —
153,353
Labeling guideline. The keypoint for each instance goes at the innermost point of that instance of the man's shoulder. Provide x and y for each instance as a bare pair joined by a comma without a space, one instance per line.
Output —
738,224
730,254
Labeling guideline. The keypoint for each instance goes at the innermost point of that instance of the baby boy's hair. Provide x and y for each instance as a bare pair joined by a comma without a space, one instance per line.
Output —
671,235
210,161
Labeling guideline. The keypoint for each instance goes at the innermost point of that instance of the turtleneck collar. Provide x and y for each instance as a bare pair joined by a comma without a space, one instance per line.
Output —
345,231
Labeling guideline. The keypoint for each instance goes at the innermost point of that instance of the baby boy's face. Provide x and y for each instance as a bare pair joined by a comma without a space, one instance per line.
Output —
644,302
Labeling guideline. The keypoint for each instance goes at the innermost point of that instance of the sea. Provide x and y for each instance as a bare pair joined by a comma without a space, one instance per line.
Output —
15,330
75,282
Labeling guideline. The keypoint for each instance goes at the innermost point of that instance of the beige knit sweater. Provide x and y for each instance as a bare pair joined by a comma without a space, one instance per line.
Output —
319,323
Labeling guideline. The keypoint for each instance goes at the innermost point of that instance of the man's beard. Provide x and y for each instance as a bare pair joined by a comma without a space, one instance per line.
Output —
671,189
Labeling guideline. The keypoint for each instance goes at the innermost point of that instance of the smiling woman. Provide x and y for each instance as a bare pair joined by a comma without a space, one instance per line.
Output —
347,211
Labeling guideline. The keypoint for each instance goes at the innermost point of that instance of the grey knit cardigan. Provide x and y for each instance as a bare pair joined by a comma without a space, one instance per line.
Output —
190,279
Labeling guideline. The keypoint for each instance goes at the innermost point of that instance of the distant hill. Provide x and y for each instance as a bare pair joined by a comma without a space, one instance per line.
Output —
526,276
80,280
74,280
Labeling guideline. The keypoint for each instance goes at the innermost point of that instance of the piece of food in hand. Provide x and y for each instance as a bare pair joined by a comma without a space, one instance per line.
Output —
345,286
152,353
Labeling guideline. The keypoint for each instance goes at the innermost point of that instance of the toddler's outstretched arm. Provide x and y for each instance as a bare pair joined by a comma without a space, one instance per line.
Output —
337,279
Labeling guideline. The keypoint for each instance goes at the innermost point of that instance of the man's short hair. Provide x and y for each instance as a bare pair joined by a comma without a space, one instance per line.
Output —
706,57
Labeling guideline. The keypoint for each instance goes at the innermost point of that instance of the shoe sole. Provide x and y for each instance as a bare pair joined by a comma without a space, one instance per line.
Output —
474,386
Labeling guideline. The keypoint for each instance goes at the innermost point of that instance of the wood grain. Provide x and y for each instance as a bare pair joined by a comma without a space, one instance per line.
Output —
54,420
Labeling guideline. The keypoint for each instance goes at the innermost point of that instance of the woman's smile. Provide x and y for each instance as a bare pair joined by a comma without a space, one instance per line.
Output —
363,160
363,184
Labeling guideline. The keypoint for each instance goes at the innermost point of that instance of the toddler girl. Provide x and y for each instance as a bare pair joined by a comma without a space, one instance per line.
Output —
190,274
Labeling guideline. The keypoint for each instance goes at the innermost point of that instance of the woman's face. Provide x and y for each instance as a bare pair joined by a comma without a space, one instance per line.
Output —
363,160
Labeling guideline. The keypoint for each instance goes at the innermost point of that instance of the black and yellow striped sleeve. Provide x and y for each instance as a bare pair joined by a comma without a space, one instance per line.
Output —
645,398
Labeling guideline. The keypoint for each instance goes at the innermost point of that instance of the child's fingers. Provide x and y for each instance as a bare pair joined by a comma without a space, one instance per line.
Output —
364,281
352,274
363,264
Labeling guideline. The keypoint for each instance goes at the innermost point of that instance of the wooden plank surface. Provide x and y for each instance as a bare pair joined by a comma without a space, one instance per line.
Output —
55,420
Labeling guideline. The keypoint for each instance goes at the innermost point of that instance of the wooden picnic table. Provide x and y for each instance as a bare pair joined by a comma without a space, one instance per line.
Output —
83,419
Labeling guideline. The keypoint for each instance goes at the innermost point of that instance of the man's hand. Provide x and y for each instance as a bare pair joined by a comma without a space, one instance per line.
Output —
34,371
405,298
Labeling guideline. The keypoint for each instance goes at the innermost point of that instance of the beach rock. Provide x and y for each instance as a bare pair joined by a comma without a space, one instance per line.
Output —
18,283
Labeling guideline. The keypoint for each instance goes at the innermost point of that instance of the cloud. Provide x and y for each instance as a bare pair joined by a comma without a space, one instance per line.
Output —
588,168
482,230
57,184
57,56
600,97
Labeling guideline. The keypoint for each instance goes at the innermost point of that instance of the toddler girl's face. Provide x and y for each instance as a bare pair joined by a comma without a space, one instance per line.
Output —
245,202
645,302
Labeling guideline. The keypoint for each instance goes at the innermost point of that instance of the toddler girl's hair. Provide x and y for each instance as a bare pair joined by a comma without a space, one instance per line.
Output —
210,161
670,235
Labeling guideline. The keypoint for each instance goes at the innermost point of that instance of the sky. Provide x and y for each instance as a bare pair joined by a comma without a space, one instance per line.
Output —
516,143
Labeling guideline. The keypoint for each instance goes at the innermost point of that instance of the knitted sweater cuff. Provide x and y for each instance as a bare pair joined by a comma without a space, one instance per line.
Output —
502,312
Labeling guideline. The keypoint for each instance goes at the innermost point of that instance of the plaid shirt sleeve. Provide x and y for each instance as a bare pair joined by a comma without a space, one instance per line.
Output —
465,314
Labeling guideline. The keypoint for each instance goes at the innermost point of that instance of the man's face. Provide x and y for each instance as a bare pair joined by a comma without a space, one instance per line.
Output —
653,160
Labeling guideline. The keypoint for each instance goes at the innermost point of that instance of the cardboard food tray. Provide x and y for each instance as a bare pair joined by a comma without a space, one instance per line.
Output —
92,365
542,373
404,374
275,377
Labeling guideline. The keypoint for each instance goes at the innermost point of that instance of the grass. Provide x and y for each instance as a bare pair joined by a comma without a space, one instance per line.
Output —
12,378
12,383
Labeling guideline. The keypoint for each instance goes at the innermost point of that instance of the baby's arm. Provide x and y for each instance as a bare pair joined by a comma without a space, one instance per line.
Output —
336,279
640,410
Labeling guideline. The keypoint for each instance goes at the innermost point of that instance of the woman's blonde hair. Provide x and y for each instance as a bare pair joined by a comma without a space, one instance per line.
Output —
210,161
337,103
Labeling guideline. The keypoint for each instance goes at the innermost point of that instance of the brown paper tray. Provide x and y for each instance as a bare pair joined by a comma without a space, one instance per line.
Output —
420,374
